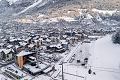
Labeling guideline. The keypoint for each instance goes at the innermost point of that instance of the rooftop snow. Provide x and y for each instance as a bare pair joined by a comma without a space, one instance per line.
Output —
34,69
31,45
12,69
6,51
63,42
23,53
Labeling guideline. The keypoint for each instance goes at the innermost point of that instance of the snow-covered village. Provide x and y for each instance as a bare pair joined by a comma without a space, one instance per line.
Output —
59,40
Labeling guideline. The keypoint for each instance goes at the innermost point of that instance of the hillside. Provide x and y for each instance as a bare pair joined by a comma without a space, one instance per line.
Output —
106,4
52,11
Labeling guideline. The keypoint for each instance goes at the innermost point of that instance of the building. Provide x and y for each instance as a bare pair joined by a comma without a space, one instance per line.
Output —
6,54
21,58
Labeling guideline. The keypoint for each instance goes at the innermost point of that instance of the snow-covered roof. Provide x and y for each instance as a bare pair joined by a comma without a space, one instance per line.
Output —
85,34
36,40
31,45
43,54
56,45
17,46
34,69
41,39
1,44
36,37
13,70
13,40
23,53
6,51
78,34
44,36
94,36
22,43
31,57
63,42
9,46
65,36
28,39
48,40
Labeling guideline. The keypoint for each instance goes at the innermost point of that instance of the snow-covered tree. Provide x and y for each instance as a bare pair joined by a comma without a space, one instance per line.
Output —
116,37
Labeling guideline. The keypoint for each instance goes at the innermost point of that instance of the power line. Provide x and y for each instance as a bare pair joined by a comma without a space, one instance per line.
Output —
73,75
105,68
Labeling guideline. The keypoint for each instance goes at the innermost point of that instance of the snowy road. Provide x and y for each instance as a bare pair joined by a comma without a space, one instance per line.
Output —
73,51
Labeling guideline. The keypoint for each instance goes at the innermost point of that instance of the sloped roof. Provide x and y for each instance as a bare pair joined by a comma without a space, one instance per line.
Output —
24,53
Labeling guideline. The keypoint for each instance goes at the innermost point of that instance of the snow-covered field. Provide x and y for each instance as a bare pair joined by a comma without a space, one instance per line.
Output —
105,60
106,54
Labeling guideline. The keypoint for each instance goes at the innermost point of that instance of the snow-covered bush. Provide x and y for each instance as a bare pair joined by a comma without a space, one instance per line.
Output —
116,37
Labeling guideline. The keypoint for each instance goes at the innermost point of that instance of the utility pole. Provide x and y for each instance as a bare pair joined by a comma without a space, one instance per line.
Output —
62,72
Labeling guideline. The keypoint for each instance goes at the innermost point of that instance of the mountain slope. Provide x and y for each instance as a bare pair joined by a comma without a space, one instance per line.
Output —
56,9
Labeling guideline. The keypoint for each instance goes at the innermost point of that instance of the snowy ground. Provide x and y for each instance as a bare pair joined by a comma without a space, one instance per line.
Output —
103,59
72,72
2,77
82,55
42,77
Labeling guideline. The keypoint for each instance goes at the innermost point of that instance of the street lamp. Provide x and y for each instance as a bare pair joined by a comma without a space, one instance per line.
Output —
62,70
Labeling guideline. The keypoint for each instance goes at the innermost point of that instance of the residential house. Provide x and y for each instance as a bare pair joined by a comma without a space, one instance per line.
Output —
64,44
10,47
56,48
31,47
18,48
79,36
23,44
6,54
28,40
